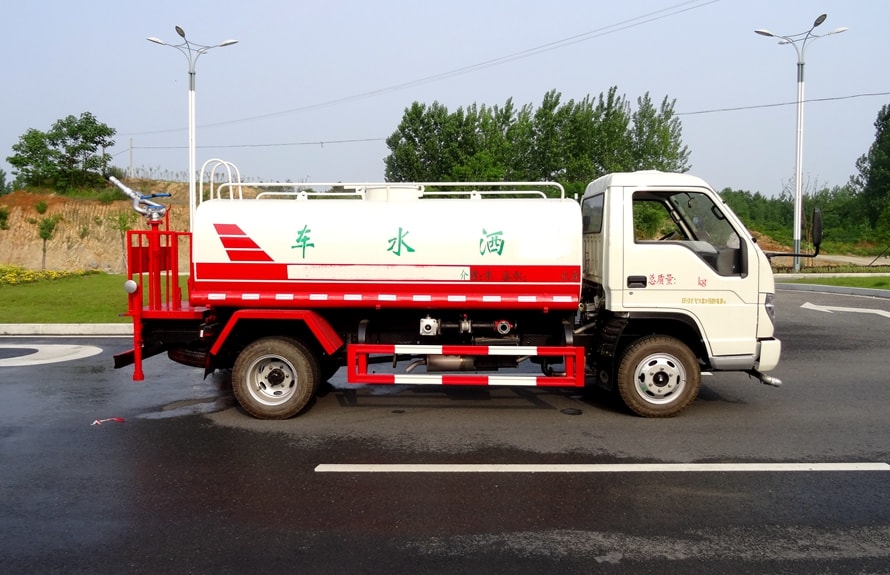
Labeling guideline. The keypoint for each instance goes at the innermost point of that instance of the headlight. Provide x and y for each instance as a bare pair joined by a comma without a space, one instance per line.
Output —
770,305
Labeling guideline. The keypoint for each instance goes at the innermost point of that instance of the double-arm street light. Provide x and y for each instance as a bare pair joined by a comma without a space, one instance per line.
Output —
192,52
799,42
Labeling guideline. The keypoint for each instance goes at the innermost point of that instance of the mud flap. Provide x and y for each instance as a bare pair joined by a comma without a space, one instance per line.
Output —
129,357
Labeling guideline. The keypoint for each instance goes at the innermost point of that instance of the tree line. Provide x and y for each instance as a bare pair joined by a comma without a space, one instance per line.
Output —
572,142
855,213
575,142
70,155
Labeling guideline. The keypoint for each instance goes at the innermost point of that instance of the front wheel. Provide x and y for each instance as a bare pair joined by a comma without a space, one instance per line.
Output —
275,378
658,376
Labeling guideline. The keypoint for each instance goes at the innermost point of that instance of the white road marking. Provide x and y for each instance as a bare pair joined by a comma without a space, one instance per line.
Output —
48,353
830,309
591,468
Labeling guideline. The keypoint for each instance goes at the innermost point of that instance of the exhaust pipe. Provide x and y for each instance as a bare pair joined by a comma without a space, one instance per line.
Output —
765,379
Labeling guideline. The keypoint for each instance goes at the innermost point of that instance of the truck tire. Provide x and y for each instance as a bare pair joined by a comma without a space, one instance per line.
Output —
275,378
658,376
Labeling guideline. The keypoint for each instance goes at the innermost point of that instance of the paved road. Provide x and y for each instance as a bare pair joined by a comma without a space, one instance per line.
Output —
188,483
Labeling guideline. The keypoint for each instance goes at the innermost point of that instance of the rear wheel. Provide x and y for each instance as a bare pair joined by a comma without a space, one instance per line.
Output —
658,376
275,378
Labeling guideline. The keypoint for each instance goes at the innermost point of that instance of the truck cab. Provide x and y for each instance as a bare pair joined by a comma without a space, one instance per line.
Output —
665,258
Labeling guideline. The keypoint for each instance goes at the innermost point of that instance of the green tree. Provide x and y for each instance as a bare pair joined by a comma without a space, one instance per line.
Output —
656,137
611,147
122,222
570,142
425,146
35,161
5,187
71,154
46,228
873,180
843,214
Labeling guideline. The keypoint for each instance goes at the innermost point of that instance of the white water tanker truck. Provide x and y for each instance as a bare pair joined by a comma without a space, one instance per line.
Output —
449,283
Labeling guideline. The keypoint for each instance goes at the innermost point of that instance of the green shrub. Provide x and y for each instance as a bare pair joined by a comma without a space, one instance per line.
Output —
110,195
16,275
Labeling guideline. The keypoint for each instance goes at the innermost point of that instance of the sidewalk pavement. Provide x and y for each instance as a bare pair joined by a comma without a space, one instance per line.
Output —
126,329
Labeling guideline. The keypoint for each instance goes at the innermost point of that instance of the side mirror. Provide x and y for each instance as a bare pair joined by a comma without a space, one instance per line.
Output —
817,239
817,230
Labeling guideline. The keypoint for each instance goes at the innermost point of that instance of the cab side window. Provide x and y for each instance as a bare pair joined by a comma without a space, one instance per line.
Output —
592,214
692,220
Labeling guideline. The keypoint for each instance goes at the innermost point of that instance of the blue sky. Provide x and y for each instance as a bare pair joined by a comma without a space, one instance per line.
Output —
343,72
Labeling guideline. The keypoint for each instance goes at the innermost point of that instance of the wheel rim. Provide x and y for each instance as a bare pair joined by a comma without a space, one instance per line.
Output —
660,378
271,380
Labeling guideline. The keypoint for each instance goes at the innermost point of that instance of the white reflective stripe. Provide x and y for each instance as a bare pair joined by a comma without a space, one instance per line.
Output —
284,296
491,298
457,298
352,297
386,297
490,350
427,349
563,298
511,350
435,379
527,380
593,467
216,296
422,298
417,379
377,272
250,296
318,296
528,298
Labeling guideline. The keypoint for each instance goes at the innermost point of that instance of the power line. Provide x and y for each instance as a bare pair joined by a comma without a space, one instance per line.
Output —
779,104
589,35
323,143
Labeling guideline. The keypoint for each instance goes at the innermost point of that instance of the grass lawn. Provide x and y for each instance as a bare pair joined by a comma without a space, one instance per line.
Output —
880,282
94,298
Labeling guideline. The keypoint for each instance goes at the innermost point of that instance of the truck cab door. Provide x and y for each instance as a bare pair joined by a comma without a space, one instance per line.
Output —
683,257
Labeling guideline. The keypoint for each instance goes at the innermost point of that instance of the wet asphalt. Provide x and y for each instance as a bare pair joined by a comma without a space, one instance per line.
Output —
188,483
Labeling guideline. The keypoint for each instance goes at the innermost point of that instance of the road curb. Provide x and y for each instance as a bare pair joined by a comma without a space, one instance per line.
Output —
843,290
69,329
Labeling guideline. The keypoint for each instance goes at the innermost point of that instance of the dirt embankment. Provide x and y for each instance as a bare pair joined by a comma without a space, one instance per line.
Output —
87,236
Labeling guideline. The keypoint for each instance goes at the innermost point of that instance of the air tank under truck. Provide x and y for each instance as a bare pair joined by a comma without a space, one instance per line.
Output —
475,283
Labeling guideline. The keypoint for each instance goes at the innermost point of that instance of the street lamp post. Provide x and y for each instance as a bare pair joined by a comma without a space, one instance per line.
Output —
799,42
192,52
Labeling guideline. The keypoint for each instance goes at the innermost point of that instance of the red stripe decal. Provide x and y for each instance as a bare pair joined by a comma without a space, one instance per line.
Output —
520,274
228,230
238,243
239,246
464,379
248,256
